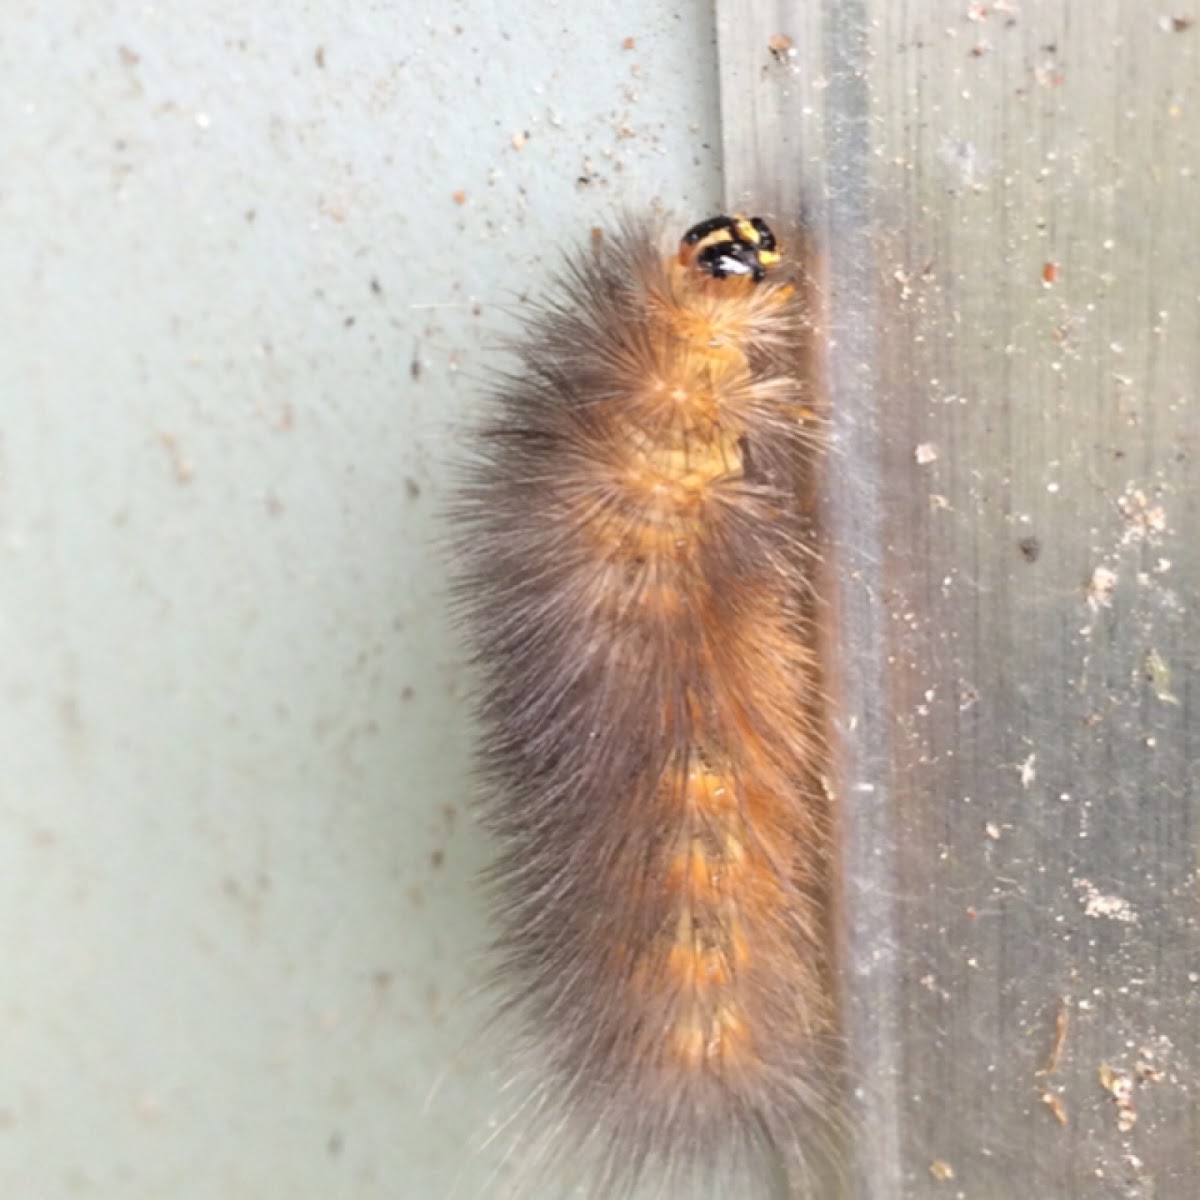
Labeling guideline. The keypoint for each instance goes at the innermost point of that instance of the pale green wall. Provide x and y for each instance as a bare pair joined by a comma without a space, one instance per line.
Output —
236,912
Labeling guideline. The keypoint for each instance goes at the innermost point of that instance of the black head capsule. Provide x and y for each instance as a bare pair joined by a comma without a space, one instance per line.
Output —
725,246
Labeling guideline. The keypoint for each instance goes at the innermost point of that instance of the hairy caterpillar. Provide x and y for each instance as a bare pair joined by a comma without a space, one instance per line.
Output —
637,582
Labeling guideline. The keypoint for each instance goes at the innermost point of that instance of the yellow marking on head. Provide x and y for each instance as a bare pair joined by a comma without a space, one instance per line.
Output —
744,229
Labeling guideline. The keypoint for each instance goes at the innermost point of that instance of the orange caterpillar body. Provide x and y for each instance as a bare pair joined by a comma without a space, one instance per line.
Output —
637,581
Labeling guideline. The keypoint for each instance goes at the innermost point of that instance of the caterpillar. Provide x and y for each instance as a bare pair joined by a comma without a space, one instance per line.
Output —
638,585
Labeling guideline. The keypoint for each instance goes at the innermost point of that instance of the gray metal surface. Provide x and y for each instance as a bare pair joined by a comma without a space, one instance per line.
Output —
1006,198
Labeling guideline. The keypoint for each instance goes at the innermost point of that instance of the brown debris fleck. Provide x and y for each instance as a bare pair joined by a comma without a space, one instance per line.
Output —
781,47
180,464
1062,1022
1120,1087
1031,548
1056,1106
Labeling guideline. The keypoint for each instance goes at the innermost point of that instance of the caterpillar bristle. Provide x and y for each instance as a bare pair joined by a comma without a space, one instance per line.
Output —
637,576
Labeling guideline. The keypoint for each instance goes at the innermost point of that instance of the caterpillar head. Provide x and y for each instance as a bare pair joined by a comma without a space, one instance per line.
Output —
725,246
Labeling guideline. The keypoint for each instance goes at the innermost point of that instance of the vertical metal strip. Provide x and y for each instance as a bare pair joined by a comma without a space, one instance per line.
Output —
855,524
796,141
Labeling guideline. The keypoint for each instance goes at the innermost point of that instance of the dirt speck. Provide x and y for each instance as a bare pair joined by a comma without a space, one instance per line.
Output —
1144,521
1056,1106
1119,1086
1100,588
781,47
1101,906
1158,674
1062,1023
1028,771
181,466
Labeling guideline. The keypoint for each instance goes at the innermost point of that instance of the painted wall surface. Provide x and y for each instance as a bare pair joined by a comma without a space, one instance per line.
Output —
252,261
